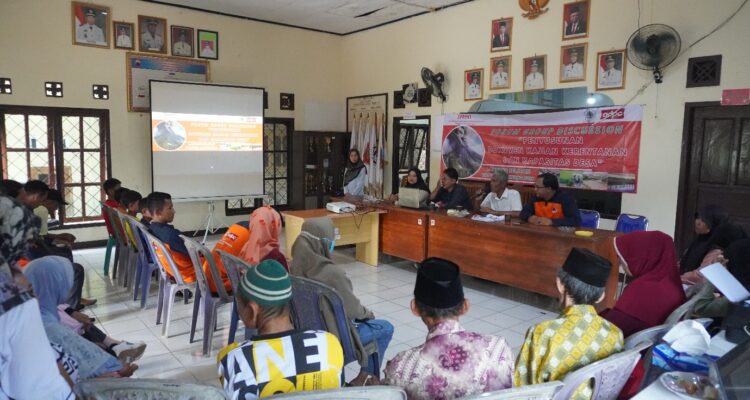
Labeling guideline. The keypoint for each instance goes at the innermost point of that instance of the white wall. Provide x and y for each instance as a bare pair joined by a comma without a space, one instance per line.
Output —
457,39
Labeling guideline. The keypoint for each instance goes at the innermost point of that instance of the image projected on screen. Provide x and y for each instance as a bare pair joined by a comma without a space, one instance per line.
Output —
206,140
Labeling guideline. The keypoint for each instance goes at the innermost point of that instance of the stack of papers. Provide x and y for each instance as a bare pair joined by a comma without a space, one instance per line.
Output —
489,218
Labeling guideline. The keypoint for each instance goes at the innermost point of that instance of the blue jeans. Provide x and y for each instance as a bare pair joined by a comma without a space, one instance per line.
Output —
379,330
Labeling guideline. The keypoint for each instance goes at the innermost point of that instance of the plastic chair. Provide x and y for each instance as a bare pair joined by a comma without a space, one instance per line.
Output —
133,255
204,299
349,393
609,375
111,242
589,218
542,391
308,299
122,252
145,265
235,267
655,333
631,223
168,286
115,389
685,310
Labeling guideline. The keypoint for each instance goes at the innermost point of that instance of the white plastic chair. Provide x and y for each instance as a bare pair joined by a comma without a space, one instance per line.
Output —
133,254
542,391
683,311
609,376
168,286
349,393
655,333
116,389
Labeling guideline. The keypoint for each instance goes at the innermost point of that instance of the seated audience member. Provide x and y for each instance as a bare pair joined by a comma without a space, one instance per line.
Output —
130,201
501,200
33,194
553,349
550,206
232,242
707,219
118,198
10,188
721,237
449,193
29,369
145,213
48,210
263,243
413,180
710,303
355,175
110,186
311,258
279,359
51,279
453,362
655,289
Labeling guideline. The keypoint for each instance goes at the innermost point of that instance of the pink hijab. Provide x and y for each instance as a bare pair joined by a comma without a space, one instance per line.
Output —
656,289
265,227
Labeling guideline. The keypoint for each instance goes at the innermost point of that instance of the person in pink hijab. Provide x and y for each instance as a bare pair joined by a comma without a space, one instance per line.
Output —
263,244
655,289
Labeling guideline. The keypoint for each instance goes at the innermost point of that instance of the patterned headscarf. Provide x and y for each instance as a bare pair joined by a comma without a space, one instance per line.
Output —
17,227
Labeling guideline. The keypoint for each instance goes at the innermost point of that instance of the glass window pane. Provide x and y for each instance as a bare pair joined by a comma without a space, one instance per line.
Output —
281,137
281,165
282,194
93,197
37,131
269,165
40,168
234,203
92,167
15,129
73,197
71,132
270,192
268,137
72,166
17,166
91,137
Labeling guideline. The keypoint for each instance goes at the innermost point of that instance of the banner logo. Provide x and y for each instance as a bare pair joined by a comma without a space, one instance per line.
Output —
613,113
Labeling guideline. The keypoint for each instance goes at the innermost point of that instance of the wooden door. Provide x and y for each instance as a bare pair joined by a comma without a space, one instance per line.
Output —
715,166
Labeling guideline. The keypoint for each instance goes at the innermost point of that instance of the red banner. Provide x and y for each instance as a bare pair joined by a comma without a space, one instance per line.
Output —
595,148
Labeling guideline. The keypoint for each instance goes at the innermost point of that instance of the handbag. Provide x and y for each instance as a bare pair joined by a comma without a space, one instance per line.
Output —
737,322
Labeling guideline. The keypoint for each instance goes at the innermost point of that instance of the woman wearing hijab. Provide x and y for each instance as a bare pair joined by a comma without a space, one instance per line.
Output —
311,258
263,244
737,259
51,278
413,180
724,235
28,369
655,290
707,219
355,175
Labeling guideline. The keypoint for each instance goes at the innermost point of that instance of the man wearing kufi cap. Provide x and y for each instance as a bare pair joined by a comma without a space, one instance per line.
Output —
151,40
279,359
452,362
88,32
610,76
535,79
579,336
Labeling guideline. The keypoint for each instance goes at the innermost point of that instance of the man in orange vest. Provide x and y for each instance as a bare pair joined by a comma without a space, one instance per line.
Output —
550,206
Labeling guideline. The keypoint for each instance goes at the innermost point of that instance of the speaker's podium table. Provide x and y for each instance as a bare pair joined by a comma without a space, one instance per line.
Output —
360,228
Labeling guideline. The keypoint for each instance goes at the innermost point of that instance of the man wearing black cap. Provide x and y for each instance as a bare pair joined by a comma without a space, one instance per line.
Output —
553,349
448,193
452,362
47,211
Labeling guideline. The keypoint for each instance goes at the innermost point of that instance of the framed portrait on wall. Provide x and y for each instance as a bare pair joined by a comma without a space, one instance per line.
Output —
473,84
534,72
500,72
573,62
90,24
576,20
182,41
152,34
611,68
502,34
124,35
208,42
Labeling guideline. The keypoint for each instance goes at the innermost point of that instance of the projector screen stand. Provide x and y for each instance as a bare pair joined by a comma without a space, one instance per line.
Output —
211,222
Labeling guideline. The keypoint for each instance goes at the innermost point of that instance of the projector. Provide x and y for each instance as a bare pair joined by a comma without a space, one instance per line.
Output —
340,207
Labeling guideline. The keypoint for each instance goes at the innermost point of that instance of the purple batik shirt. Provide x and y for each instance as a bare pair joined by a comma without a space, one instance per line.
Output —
452,363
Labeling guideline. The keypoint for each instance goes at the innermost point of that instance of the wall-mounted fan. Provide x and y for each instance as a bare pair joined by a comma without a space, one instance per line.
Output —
653,47
434,82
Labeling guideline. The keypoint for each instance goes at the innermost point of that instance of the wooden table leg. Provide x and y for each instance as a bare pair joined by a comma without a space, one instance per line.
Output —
293,229
367,252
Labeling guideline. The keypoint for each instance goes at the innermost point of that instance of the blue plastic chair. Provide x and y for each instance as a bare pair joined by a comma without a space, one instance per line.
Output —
235,267
631,223
589,218
145,267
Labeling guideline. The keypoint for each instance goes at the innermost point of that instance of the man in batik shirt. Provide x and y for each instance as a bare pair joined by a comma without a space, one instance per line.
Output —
452,362
579,336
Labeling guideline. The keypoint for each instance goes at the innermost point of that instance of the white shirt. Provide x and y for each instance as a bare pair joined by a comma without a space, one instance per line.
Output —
124,41
573,71
357,186
473,91
90,34
500,79
534,80
152,42
208,52
509,201
182,49
612,77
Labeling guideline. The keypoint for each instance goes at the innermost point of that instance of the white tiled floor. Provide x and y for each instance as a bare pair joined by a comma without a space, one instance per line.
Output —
387,290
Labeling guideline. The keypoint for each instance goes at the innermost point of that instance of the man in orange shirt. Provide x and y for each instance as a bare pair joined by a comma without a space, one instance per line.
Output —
550,206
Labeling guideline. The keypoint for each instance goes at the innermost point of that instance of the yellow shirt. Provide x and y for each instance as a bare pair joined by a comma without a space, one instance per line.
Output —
554,348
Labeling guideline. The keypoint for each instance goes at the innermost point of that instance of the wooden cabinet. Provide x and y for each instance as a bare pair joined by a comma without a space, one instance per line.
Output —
319,158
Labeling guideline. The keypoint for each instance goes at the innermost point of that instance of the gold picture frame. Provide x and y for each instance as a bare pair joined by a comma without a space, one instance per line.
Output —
576,29
531,83
496,84
497,42
615,79
90,24
470,92
569,71
155,41
122,43
141,68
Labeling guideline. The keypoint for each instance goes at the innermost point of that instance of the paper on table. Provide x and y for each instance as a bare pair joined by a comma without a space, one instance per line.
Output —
725,282
489,218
